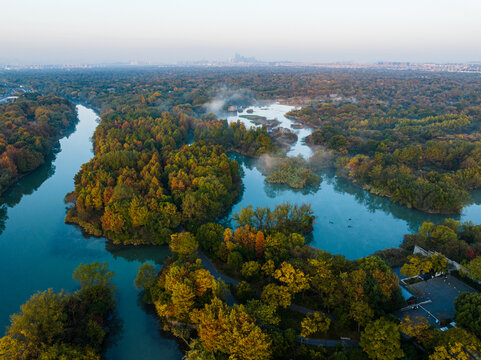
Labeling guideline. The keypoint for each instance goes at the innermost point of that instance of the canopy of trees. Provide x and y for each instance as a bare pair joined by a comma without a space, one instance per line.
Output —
277,270
234,137
421,157
29,128
143,182
64,325
293,171
458,241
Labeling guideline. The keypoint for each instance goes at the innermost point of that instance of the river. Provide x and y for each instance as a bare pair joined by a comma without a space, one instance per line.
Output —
349,220
39,251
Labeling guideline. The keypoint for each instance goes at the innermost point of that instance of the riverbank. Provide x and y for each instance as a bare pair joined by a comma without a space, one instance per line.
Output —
34,233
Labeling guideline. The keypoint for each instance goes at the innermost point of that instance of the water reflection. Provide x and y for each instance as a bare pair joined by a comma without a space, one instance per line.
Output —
154,254
349,220
31,182
42,251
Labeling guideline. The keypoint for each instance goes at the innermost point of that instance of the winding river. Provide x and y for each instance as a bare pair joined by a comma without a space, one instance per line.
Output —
39,251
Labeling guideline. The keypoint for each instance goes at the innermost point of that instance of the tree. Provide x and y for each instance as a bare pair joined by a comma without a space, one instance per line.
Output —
418,328
416,265
184,245
197,352
439,263
295,279
93,274
65,352
250,269
203,281
314,323
243,291
145,276
455,350
234,260
474,267
12,349
260,243
231,331
321,277
209,237
468,312
41,320
360,312
456,343
276,295
264,313
381,340
182,299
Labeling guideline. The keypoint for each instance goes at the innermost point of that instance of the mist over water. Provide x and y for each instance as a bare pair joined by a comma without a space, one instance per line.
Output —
349,220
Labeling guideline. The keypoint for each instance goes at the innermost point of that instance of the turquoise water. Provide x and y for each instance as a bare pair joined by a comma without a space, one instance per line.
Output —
40,251
349,220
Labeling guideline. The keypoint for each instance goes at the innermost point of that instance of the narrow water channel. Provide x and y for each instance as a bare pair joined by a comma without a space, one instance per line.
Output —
39,251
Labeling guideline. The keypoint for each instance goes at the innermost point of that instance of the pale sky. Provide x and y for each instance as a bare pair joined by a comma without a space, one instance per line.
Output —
167,31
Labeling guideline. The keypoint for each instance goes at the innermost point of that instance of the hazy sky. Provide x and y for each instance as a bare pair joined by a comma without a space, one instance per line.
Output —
166,31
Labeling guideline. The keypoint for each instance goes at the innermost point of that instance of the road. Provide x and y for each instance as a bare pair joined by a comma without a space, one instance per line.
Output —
230,300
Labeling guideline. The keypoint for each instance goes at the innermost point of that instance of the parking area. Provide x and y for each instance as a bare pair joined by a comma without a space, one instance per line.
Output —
437,296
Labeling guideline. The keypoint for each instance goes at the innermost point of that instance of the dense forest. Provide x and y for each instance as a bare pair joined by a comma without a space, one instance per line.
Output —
411,136
425,158
29,128
161,175
144,181
285,294
72,326
234,137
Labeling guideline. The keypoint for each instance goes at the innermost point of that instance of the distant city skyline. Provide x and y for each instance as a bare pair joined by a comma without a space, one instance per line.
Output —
167,32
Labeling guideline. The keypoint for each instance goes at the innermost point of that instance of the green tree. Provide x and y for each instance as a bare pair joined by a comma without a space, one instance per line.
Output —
474,267
468,312
243,291
145,276
209,236
234,260
314,323
41,320
93,274
276,295
250,269
381,340
184,245
264,313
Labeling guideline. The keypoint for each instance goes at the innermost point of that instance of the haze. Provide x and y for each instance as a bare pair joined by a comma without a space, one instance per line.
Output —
60,31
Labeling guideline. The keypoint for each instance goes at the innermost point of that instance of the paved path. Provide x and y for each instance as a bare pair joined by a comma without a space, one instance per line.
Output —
231,301
328,342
